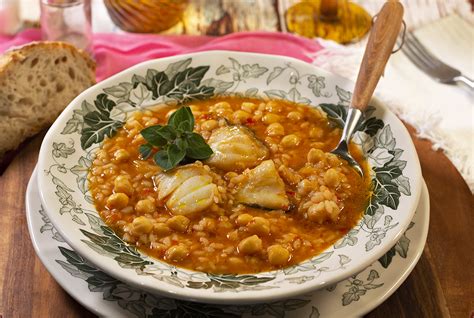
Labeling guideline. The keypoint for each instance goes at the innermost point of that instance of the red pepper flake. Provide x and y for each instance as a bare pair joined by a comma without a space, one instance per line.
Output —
147,191
250,121
292,193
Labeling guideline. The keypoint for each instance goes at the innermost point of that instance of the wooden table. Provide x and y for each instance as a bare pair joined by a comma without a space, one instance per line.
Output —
441,285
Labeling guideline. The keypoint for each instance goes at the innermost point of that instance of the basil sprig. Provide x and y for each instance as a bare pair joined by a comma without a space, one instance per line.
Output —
176,141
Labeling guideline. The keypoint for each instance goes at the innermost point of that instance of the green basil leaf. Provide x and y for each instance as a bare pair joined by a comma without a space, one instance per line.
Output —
181,143
182,115
145,151
158,135
185,126
169,158
197,147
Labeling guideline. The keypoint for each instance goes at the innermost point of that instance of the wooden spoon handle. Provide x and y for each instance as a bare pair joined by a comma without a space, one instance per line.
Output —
379,47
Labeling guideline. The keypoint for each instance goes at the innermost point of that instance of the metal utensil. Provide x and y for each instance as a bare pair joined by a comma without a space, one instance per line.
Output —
377,52
431,65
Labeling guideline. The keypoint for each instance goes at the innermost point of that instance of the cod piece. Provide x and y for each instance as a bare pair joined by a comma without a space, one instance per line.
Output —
186,190
263,188
235,149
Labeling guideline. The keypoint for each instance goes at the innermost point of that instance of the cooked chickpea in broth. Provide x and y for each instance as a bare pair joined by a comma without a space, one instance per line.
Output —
270,196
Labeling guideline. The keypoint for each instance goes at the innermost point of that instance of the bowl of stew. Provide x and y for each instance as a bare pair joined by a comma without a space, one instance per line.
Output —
209,177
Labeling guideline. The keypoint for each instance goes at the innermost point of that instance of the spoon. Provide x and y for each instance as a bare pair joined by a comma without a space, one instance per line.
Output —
382,38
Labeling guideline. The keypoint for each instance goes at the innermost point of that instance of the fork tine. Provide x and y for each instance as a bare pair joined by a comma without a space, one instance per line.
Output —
417,45
416,58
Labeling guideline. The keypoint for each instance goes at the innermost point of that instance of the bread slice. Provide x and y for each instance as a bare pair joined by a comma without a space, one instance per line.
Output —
37,81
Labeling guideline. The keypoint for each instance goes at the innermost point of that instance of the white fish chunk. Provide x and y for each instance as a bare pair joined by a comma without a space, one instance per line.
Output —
187,190
168,182
235,149
263,187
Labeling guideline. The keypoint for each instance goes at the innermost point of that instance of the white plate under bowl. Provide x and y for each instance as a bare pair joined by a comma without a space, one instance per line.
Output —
70,144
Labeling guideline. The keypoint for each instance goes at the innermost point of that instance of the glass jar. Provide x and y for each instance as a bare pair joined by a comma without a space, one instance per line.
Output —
67,21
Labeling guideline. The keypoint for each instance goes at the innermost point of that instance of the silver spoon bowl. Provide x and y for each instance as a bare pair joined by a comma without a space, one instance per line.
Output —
342,150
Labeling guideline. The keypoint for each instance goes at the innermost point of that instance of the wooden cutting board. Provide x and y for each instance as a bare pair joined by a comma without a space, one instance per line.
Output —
441,285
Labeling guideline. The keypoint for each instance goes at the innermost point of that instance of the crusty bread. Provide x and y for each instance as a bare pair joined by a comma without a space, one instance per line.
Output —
37,82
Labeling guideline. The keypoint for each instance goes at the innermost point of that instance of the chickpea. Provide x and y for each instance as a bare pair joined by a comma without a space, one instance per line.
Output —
176,253
117,201
121,155
333,160
209,125
161,229
123,184
332,209
290,141
241,116
209,225
316,213
315,155
317,197
259,225
141,225
250,245
248,107
235,261
316,132
270,118
332,177
145,207
222,105
178,223
275,129
273,107
243,219
278,255
295,116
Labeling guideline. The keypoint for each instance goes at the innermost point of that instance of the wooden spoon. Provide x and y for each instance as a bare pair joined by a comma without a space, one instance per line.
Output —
379,47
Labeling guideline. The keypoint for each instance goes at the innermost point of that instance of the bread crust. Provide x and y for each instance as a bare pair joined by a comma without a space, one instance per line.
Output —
37,81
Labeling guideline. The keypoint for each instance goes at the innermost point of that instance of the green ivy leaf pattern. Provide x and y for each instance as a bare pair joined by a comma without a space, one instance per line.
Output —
336,113
61,150
177,67
219,85
401,248
314,312
48,226
311,265
81,170
292,95
371,126
120,91
106,240
76,123
344,96
274,74
316,83
358,287
98,123
230,281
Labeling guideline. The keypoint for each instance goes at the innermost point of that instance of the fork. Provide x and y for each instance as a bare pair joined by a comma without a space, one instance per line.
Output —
430,64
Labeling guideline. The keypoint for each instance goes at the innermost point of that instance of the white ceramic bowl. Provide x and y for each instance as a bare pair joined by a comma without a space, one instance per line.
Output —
70,144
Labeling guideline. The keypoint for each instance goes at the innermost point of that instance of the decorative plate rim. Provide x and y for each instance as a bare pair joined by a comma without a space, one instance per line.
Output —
209,295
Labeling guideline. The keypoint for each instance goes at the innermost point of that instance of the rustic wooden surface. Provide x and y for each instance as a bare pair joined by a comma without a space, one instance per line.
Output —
441,285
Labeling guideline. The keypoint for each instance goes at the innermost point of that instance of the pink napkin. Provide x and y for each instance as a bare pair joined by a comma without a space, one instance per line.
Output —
116,52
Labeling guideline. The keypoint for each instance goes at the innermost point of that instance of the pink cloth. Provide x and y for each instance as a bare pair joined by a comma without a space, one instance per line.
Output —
116,52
